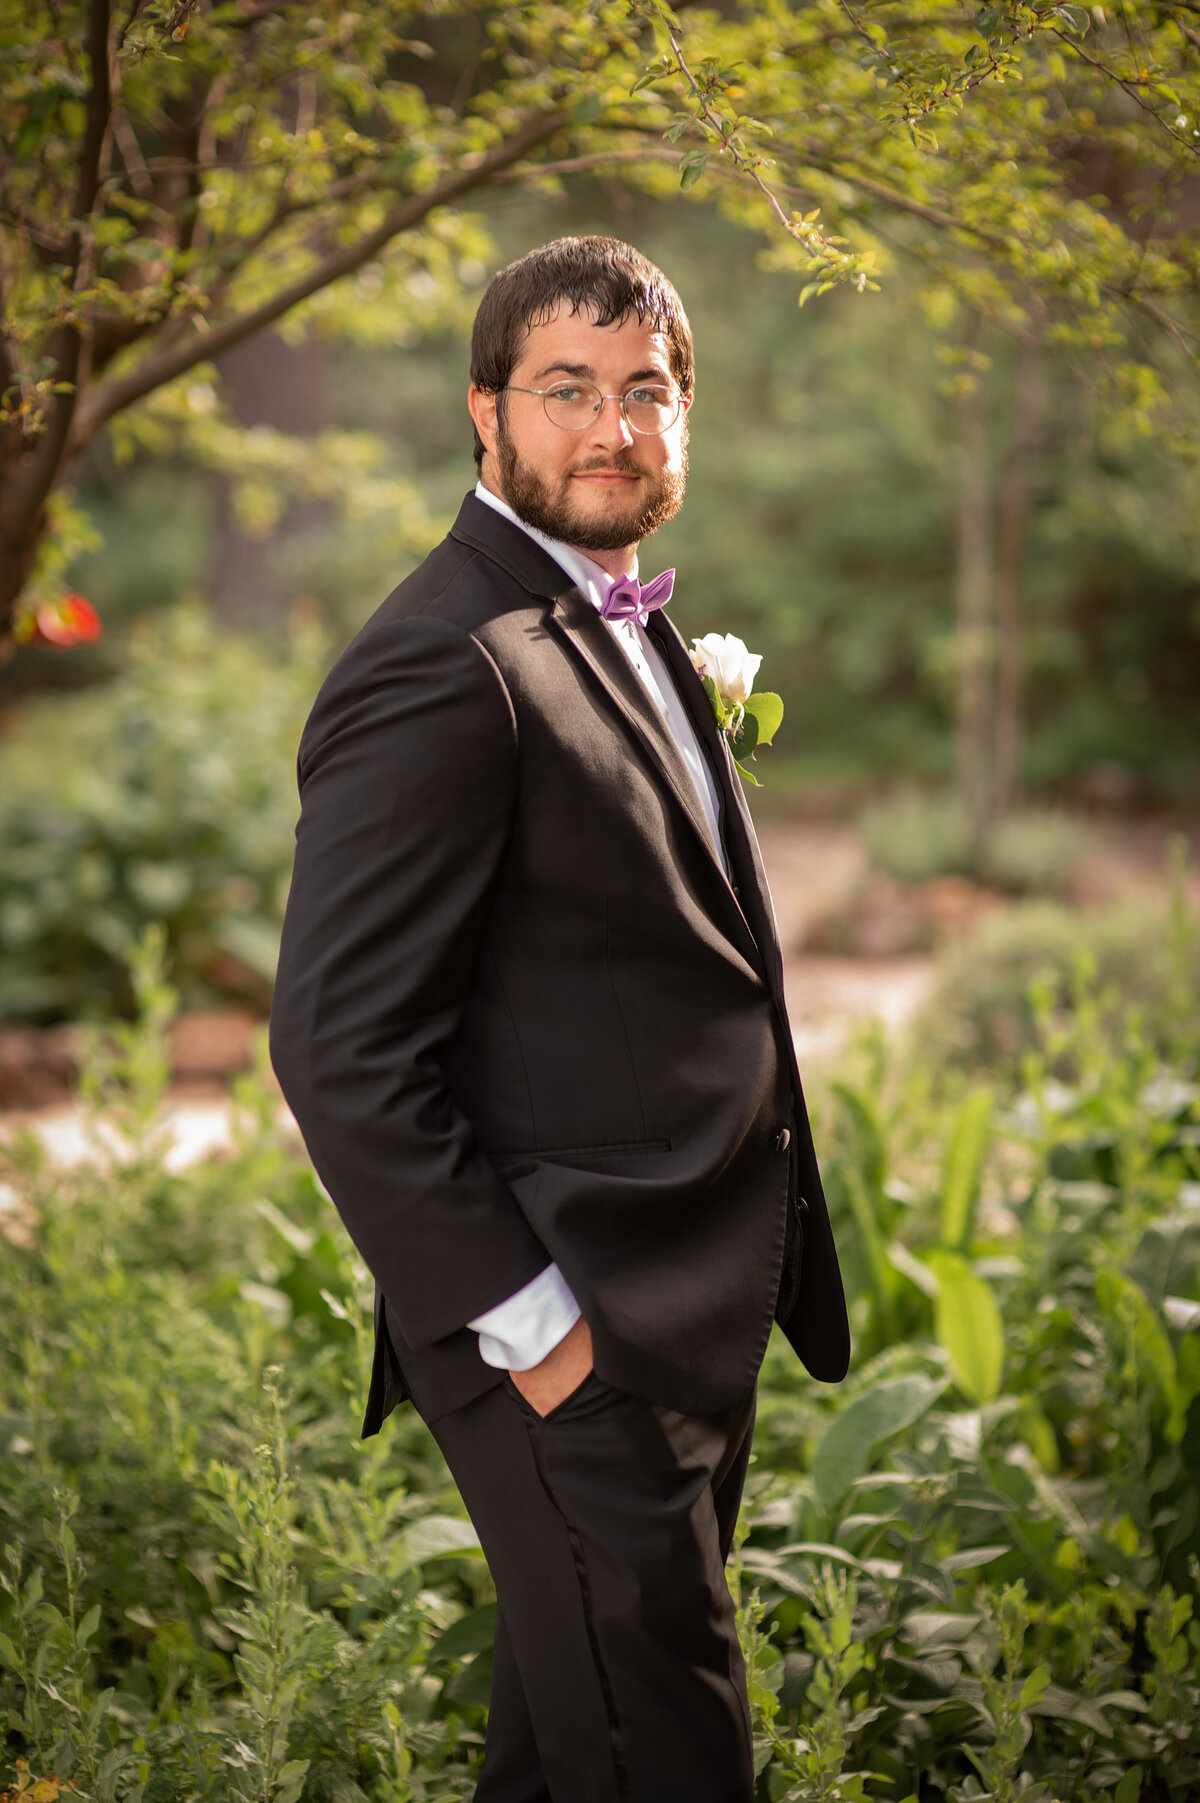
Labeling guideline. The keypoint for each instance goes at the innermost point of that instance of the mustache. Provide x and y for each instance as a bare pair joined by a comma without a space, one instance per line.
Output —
619,466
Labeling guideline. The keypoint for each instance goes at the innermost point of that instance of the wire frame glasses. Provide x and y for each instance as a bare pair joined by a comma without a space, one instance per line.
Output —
650,408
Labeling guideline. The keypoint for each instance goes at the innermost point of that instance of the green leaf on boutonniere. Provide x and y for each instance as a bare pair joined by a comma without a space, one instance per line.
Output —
714,700
747,775
766,710
744,737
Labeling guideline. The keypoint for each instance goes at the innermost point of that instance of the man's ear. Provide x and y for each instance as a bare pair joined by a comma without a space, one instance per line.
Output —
482,406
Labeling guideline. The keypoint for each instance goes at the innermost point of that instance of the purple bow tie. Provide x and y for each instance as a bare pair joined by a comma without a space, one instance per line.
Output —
629,599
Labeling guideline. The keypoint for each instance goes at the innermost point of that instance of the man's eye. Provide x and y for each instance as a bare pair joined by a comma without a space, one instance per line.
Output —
567,392
651,397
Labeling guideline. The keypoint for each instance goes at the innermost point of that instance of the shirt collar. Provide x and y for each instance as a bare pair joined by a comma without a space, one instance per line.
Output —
586,575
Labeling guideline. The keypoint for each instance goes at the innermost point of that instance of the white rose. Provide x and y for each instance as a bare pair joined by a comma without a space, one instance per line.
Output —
728,662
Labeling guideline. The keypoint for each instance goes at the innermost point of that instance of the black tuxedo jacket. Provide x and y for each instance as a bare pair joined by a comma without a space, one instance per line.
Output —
521,1013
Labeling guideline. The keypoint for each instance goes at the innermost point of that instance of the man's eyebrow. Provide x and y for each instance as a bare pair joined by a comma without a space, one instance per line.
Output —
652,372
568,369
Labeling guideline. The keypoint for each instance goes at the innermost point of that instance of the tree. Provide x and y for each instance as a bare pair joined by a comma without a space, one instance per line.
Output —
176,175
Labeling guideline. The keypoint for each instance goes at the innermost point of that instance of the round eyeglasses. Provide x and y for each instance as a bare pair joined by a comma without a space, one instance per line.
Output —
649,408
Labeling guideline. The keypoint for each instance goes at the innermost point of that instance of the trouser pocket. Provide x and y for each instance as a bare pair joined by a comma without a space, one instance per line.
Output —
584,1395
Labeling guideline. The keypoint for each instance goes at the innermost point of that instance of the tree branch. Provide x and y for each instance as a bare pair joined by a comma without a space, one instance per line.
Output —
131,155
156,370
1132,88
889,197
596,159
99,107
38,468
8,364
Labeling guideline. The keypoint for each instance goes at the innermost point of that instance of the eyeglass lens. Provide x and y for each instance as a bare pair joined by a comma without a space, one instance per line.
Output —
574,405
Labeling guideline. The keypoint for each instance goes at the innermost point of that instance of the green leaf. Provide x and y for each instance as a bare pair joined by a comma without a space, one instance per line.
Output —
1140,1338
437,1535
474,1683
870,1144
473,1632
747,776
691,170
969,1141
656,72
715,702
968,1327
290,1782
744,741
910,1266
8,1654
1065,1705
1076,17
848,1446
1129,1788
88,1625
767,708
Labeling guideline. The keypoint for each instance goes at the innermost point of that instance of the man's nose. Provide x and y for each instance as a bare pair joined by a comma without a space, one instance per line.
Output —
610,427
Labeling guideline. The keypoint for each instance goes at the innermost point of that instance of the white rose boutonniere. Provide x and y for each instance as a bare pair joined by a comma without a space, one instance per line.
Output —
747,717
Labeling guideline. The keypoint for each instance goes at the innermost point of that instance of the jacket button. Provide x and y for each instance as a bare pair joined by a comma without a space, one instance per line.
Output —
783,1140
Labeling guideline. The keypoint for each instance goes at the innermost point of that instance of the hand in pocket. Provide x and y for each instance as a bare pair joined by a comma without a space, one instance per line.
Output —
562,1370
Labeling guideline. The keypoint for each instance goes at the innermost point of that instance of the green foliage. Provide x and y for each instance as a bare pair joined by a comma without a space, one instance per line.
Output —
914,836
970,1574
968,1327
1139,966
210,1587
168,796
175,183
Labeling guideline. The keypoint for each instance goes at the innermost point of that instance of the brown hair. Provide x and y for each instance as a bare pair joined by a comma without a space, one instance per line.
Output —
602,276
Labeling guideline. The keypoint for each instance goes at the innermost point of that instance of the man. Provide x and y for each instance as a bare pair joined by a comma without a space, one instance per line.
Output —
529,1015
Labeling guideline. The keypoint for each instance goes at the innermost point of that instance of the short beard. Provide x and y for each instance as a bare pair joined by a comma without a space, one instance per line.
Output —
552,513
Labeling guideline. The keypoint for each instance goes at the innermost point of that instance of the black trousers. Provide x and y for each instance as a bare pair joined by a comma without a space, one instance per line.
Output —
618,1676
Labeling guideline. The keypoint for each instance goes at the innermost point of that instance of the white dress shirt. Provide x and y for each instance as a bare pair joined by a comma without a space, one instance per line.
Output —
518,1332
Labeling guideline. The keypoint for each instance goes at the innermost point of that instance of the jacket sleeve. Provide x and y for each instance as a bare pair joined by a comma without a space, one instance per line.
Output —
408,775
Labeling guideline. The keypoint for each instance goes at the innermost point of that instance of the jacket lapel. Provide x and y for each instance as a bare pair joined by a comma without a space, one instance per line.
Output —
574,620
741,840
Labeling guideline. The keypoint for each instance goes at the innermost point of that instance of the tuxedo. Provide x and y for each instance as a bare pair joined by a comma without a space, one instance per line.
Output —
529,1011
522,1014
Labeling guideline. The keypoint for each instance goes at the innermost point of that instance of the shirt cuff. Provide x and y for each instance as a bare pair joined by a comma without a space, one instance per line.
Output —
518,1333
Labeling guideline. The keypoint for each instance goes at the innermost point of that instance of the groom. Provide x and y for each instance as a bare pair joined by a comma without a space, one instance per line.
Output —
530,1018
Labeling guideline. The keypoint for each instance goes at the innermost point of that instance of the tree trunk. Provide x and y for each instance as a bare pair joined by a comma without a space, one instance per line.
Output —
1029,407
974,596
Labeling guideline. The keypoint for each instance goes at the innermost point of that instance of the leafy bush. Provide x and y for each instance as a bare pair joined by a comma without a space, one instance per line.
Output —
980,1564
1138,967
1032,850
970,1573
168,796
915,835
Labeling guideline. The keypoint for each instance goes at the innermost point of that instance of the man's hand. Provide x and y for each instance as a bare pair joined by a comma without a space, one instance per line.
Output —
562,1370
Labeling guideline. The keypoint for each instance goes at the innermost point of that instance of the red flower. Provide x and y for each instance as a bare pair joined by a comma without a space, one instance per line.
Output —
71,620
